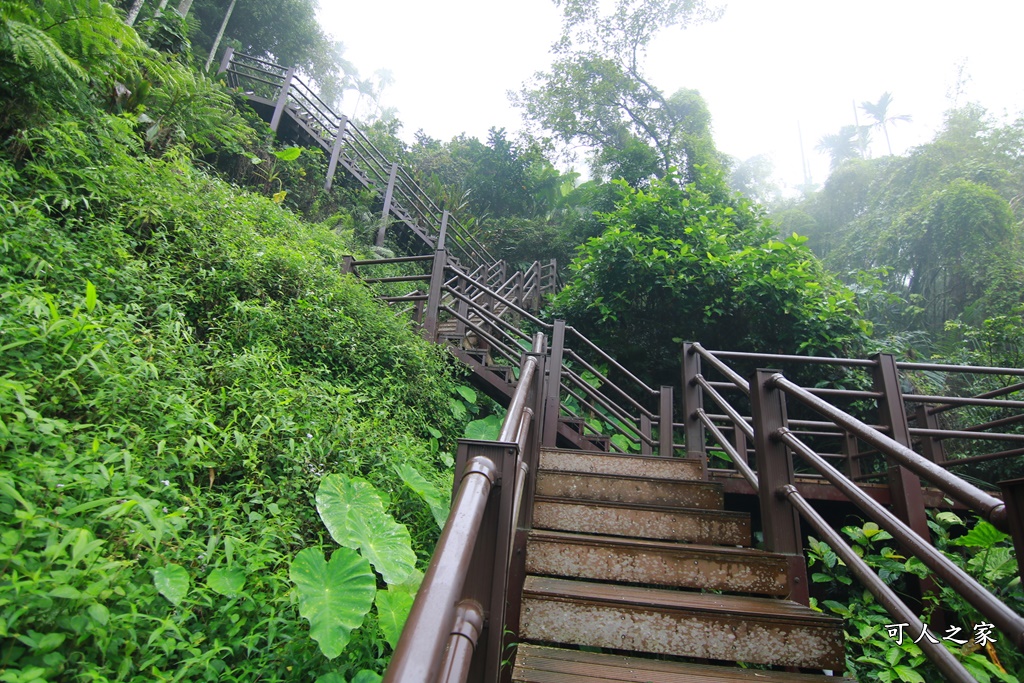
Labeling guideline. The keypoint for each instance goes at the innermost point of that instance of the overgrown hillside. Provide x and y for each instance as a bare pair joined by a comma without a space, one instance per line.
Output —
182,365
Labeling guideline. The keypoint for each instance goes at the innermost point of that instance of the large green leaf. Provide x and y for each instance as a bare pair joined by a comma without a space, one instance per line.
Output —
225,581
172,581
354,515
393,607
422,487
334,597
984,535
484,429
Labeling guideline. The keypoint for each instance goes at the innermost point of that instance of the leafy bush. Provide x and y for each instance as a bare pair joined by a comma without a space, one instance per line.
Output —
875,649
182,365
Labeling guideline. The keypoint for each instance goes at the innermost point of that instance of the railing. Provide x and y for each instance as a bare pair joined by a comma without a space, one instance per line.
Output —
456,628
772,475
607,407
349,146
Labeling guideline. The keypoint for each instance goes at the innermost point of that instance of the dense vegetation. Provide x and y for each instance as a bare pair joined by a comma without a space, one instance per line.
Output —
182,366
195,405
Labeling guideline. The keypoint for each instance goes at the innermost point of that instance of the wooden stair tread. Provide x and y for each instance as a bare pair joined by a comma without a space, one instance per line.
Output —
637,520
658,563
750,608
541,664
651,507
652,544
647,466
630,489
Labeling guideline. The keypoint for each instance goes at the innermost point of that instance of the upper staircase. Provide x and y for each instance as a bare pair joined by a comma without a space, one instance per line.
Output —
592,539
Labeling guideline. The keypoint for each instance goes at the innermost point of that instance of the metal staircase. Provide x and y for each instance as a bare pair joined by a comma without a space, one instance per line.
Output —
592,540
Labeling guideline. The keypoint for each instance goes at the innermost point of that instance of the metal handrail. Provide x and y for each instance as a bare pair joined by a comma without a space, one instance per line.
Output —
993,509
419,656
943,659
1004,618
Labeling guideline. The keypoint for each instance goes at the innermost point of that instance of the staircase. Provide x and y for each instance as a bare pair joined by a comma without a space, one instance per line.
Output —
598,559
636,554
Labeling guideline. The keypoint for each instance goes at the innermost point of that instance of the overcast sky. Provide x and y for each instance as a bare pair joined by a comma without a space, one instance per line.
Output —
765,68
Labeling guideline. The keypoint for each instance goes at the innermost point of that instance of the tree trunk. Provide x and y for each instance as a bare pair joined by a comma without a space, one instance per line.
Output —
133,13
184,6
220,35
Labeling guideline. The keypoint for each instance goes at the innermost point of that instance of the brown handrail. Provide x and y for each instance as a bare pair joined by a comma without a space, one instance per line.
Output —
1004,618
993,509
419,653
437,615
943,659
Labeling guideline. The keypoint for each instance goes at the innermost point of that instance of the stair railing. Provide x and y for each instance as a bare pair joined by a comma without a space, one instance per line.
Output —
781,501
456,628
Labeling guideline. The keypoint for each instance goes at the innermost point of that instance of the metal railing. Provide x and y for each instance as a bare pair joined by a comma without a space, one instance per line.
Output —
348,146
456,628
772,476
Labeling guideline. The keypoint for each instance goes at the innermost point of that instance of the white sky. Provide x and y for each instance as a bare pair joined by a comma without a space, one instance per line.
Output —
764,68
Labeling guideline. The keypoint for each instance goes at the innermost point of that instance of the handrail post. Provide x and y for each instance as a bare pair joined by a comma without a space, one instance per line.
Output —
442,233
904,486
1013,495
434,294
385,214
339,140
666,434
931,447
693,401
487,578
905,490
851,450
780,520
225,61
645,429
282,99
348,264
553,382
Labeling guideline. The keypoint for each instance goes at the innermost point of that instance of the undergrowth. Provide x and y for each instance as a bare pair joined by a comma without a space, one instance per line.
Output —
182,364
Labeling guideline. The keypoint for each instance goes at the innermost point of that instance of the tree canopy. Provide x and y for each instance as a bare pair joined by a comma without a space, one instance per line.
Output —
672,265
941,226
597,95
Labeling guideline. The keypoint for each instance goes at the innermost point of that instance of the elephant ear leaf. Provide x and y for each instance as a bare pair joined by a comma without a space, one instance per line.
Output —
393,606
426,490
333,596
353,513
172,581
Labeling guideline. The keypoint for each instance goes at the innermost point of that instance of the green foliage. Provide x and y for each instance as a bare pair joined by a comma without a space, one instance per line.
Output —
333,596
871,652
182,364
425,489
674,264
939,227
393,607
354,514
597,95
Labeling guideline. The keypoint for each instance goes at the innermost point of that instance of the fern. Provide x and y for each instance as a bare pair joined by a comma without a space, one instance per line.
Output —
31,48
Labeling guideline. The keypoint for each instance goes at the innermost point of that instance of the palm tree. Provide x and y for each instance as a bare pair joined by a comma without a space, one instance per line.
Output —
879,111
841,146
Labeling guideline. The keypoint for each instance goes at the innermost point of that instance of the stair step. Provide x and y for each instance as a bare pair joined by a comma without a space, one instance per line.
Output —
704,625
539,664
625,489
736,570
710,527
649,466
